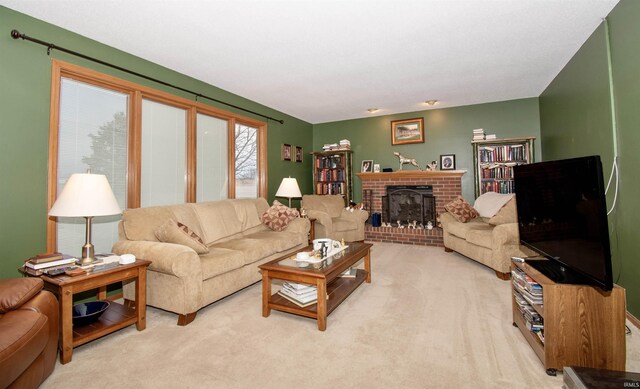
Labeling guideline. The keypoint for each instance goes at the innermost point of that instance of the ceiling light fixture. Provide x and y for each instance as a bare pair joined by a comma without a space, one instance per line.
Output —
431,102
373,110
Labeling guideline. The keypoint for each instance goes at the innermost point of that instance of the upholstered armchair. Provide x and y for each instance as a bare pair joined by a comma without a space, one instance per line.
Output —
333,220
28,332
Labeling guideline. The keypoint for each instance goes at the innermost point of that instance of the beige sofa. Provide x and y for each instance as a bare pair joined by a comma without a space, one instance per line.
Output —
492,241
182,281
333,220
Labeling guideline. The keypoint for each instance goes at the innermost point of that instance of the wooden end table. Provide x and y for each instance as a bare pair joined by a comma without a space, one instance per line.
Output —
331,288
116,317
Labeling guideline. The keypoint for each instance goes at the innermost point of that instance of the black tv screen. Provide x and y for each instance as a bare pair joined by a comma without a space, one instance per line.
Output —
562,215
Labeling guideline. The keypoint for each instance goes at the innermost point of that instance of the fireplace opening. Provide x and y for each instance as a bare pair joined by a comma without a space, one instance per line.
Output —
409,206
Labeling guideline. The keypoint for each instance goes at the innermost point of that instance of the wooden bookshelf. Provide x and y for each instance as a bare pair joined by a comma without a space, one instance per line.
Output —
333,173
493,162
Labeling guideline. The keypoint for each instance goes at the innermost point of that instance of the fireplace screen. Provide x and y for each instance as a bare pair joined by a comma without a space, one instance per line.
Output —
409,205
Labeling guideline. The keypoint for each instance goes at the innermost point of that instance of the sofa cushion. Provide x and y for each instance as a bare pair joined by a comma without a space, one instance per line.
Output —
344,224
461,210
282,240
218,220
331,204
507,214
480,236
219,261
461,230
141,223
278,216
175,232
247,212
252,250
488,204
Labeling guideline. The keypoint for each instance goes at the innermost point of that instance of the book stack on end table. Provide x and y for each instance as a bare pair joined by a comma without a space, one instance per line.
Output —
49,263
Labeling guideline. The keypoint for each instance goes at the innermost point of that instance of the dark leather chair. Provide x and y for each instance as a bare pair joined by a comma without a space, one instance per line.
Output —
28,332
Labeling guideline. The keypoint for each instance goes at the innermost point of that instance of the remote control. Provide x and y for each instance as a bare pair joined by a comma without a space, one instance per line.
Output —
58,270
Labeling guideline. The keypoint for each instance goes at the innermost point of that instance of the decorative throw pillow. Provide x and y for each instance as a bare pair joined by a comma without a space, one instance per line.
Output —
278,216
172,231
461,210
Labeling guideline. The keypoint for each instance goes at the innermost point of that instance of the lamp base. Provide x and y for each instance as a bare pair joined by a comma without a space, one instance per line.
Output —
88,252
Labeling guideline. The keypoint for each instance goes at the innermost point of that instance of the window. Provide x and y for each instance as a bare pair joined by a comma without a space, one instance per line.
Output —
164,154
212,156
246,160
154,147
93,134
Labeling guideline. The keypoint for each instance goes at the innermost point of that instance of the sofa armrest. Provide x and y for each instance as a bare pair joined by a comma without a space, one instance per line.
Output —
321,218
175,259
505,234
299,225
15,292
359,215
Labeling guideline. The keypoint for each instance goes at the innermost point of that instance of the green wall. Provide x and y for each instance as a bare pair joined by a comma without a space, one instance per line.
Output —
447,131
575,120
25,78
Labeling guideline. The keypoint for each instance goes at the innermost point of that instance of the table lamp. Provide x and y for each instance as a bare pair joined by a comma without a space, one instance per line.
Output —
86,195
289,188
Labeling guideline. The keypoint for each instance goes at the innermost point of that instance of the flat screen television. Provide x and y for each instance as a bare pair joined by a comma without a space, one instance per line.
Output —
562,215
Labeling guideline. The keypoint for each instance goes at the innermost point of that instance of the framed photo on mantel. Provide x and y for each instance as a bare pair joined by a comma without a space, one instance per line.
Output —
448,162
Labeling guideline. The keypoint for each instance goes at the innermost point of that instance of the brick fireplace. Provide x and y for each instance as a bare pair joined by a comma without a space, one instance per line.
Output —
446,186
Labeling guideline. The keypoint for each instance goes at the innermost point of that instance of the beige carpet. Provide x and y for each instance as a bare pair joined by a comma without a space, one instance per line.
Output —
428,320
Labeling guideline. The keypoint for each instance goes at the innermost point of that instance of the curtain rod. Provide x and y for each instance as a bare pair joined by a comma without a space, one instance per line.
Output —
15,34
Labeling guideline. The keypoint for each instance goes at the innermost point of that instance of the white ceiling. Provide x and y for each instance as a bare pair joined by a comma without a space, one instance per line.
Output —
328,60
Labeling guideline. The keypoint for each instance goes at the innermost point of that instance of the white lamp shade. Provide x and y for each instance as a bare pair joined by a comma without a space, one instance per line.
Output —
289,188
86,195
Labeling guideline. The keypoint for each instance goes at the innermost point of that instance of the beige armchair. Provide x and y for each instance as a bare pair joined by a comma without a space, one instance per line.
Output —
333,220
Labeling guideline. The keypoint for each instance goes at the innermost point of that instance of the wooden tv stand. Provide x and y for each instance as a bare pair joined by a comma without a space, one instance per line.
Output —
583,325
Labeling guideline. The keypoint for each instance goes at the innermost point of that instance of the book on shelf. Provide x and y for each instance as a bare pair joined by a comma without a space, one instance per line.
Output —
45,257
296,302
478,134
303,295
490,137
64,261
350,273
46,270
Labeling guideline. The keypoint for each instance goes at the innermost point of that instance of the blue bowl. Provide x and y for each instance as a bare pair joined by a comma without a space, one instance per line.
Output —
87,313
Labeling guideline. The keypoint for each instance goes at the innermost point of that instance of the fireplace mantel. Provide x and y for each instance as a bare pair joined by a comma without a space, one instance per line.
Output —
426,174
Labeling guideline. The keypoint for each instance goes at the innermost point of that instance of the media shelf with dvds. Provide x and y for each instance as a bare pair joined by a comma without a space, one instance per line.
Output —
554,318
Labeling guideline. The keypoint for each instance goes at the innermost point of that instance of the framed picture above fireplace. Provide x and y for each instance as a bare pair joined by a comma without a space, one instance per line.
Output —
448,162
407,131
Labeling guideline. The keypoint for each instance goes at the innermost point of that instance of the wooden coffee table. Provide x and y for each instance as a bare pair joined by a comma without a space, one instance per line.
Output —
325,276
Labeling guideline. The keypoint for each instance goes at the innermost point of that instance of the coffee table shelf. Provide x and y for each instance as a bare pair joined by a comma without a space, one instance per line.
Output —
337,290
325,276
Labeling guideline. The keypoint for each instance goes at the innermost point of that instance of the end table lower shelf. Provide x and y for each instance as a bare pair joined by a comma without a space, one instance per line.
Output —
116,317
